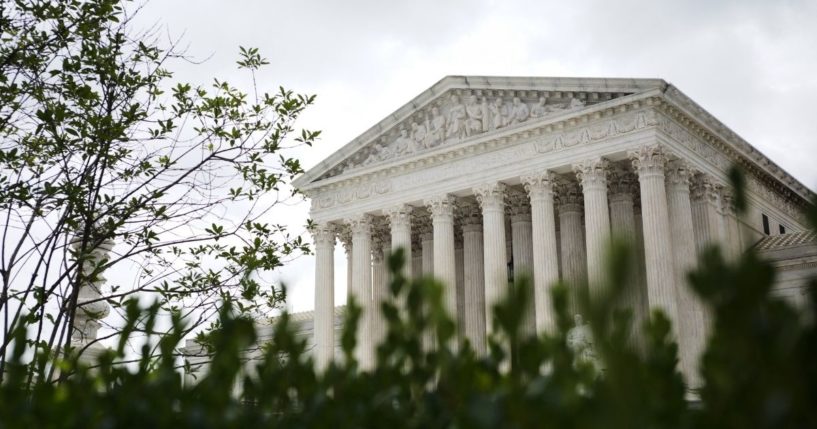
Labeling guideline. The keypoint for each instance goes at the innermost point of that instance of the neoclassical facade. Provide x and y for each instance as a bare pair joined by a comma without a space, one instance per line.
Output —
479,177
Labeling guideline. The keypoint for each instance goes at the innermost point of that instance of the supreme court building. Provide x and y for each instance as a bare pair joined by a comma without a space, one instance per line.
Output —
479,175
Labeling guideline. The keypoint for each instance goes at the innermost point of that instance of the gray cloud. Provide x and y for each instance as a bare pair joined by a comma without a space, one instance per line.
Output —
750,63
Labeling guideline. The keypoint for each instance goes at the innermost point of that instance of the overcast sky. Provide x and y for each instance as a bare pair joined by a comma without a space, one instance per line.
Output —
752,64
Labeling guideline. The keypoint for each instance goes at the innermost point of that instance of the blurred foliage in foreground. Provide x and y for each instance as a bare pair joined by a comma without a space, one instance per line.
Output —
760,370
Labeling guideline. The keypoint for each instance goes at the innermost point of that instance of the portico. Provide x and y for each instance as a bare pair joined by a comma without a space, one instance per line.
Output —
537,174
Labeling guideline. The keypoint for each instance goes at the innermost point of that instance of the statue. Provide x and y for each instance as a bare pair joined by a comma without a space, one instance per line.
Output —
456,119
419,135
519,112
575,103
404,144
437,129
539,110
499,113
379,152
580,341
475,115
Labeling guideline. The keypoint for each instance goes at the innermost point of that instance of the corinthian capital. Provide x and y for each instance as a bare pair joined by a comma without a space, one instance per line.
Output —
518,204
539,185
622,182
592,173
679,173
570,193
649,160
441,206
704,188
399,215
345,236
470,213
361,225
491,195
323,234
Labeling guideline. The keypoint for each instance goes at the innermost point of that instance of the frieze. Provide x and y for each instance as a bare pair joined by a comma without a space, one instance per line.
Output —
785,204
327,198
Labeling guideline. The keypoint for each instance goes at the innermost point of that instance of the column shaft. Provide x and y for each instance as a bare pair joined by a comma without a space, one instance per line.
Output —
649,163
545,250
691,329
362,286
445,268
474,278
491,199
522,241
324,321
574,261
623,226
592,175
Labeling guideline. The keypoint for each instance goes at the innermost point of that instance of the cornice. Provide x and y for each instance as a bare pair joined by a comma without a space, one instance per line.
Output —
694,117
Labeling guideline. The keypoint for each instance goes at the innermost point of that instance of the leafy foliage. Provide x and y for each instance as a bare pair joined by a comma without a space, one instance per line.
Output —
758,369
99,144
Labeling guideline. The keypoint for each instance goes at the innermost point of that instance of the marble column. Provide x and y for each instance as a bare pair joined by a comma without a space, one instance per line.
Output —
704,194
731,226
400,222
345,237
592,175
545,250
649,163
459,255
622,190
427,245
522,250
362,286
574,262
379,274
474,277
491,198
416,257
324,320
445,268
691,329
706,224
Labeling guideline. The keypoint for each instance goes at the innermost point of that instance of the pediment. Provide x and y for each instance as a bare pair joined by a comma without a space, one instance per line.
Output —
459,108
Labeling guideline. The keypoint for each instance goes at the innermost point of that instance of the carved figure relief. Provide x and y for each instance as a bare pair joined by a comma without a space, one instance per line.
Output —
437,130
456,118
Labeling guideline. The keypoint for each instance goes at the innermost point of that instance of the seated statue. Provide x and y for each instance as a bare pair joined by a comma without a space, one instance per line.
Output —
519,111
475,116
499,111
404,144
539,110
436,133
456,119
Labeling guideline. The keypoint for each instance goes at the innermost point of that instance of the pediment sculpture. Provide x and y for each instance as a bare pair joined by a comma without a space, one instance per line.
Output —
456,117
